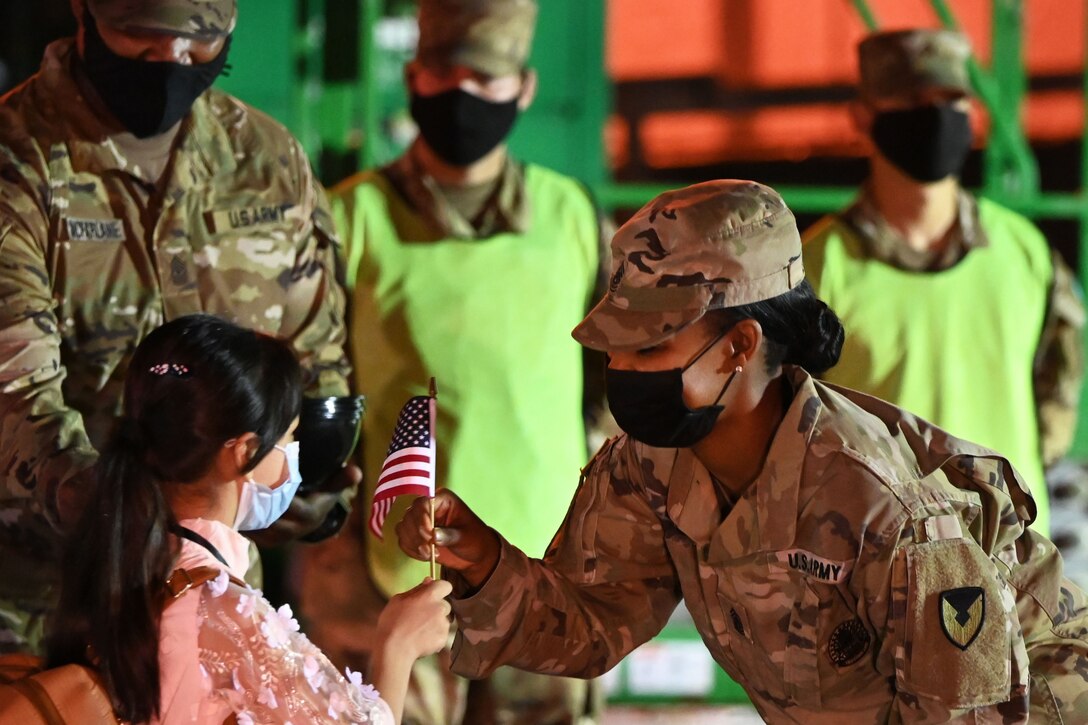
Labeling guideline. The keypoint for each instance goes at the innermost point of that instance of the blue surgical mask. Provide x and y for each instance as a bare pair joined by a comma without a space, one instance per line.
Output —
259,505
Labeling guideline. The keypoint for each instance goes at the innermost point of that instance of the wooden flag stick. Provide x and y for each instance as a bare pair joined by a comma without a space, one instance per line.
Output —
434,484
434,554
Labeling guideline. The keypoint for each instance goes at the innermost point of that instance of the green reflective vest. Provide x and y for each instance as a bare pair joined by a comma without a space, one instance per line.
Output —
491,320
955,347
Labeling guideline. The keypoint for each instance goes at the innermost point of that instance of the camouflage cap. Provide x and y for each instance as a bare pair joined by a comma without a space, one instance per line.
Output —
489,36
201,19
906,62
712,245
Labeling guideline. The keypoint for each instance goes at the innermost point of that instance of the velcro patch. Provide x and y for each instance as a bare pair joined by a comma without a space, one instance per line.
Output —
814,566
94,230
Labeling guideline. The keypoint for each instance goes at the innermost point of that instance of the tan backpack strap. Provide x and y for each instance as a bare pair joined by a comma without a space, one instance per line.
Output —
182,580
33,691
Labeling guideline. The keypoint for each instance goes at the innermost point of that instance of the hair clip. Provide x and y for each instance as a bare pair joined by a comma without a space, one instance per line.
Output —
178,371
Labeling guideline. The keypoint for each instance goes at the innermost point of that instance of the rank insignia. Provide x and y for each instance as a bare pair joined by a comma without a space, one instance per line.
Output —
962,612
849,641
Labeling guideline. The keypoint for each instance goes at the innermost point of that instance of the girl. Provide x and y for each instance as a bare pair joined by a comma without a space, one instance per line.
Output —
203,451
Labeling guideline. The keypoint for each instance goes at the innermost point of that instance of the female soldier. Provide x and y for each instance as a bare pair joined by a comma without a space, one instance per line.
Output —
843,560
205,449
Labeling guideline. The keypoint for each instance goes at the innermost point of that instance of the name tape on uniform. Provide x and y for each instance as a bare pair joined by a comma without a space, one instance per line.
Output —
94,230
225,220
814,566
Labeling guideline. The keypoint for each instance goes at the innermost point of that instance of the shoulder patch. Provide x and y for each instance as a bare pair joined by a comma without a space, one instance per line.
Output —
963,611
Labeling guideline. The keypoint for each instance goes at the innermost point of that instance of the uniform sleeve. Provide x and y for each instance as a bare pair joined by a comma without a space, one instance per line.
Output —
255,660
939,596
45,444
1059,364
605,586
314,318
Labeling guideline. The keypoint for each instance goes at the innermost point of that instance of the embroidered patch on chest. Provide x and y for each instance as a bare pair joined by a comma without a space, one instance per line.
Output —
224,220
814,566
94,230
848,642
963,611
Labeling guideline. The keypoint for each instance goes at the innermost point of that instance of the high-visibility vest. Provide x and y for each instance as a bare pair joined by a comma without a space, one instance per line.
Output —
956,346
491,320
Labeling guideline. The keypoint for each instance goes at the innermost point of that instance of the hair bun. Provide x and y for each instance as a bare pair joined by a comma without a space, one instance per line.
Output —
820,344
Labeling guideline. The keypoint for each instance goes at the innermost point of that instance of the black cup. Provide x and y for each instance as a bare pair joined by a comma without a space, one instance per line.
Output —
328,430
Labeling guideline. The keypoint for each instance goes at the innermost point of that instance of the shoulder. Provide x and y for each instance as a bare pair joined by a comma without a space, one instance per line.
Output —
859,438
544,183
365,187
255,137
824,229
1006,228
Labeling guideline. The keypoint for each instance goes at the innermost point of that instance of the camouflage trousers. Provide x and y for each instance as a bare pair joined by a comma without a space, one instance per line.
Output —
339,606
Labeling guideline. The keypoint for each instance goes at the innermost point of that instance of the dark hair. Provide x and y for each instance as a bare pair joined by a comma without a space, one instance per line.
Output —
799,328
192,385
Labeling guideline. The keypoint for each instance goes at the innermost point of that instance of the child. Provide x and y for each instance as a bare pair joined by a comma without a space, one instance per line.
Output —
203,451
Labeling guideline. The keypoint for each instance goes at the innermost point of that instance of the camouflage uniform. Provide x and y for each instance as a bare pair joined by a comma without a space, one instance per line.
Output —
906,65
876,570
94,253
527,213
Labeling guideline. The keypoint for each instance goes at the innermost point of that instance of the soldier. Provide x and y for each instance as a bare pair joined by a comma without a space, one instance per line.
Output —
465,264
844,560
131,193
910,269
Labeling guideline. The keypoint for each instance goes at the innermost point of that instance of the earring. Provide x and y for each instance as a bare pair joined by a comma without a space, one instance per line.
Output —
738,369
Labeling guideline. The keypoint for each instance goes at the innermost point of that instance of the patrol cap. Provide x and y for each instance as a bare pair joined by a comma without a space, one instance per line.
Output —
200,19
704,247
906,62
489,36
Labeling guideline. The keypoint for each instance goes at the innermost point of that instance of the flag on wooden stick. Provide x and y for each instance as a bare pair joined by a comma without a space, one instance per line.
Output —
409,465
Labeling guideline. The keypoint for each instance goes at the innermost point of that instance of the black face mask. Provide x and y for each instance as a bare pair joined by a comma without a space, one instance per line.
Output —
649,406
926,143
147,97
461,128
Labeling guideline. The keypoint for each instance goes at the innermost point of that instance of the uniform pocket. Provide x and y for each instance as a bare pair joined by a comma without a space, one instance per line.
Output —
958,635
802,666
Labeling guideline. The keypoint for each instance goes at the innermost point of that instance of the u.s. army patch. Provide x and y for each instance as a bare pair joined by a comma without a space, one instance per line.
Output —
815,567
962,612
225,220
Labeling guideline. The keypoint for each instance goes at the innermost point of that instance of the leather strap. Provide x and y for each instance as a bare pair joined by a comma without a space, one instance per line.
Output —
33,691
182,580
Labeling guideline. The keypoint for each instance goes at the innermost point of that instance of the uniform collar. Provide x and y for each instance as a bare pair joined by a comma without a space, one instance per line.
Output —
202,149
885,243
507,211
765,516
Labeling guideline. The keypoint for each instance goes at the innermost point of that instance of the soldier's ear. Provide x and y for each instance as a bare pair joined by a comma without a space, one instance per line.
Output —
744,341
528,89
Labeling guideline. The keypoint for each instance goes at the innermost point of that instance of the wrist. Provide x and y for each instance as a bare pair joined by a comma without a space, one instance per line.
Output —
478,573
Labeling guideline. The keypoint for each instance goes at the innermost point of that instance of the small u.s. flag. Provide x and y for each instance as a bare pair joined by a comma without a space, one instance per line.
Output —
409,465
